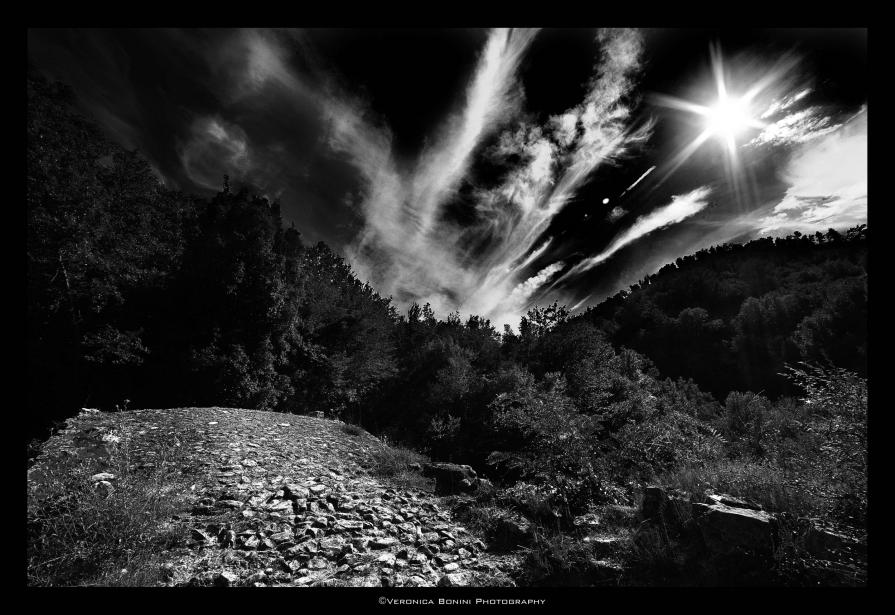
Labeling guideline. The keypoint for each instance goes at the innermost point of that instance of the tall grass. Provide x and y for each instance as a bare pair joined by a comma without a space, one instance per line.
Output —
400,466
761,481
85,532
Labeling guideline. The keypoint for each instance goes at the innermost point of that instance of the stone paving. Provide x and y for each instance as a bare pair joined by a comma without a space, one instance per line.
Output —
288,500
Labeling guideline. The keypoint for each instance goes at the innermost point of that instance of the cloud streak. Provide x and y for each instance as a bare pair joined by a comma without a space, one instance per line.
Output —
641,178
681,207
409,250
559,157
827,183
408,247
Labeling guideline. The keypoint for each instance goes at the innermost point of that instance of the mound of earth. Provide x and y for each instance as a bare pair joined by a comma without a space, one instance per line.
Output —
283,500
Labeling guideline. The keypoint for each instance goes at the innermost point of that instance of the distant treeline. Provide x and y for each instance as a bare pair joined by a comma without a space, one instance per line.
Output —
730,317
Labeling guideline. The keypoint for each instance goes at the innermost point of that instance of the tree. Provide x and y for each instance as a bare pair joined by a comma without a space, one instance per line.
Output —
103,239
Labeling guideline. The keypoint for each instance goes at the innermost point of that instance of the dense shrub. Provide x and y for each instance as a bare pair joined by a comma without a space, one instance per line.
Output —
556,444
807,458
664,442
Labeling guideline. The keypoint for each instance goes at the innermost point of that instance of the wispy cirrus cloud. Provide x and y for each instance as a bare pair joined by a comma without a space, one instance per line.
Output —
797,127
680,208
516,302
827,181
407,248
784,103
410,251
558,157
789,122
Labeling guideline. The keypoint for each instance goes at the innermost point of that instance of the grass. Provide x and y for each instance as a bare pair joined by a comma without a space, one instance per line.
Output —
401,467
563,560
764,483
352,430
83,532
481,520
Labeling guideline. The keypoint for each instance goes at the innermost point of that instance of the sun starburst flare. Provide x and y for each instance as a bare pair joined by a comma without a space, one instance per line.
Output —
730,116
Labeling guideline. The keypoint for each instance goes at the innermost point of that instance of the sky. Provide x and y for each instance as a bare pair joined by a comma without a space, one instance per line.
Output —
486,171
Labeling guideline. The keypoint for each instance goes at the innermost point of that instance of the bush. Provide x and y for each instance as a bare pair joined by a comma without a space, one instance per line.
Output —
663,442
652,559
836,400
746,422
554,443
482,520
88,532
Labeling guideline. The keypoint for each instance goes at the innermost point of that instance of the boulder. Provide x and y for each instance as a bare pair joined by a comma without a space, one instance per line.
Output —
729,500
453,579
512,532
225,579
727,530
827,544
654,499
451,478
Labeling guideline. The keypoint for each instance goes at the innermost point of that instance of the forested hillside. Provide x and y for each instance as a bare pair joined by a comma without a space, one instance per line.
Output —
143,297
732,316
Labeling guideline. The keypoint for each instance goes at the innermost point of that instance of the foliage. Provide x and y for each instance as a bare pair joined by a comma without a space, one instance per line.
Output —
808,459
168,299
103,238
555,443
731,316
836,430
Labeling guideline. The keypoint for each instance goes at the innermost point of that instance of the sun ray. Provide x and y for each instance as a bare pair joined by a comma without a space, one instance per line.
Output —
733,113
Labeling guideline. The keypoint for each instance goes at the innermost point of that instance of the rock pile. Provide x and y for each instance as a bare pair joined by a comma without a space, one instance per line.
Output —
292,501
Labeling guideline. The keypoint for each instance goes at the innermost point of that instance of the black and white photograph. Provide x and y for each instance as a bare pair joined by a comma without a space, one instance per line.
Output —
454,314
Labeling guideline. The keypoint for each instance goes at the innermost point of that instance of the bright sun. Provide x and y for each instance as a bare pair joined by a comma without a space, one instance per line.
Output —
728,118
731,115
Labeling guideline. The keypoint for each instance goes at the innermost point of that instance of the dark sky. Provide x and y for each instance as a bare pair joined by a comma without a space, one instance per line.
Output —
441,162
